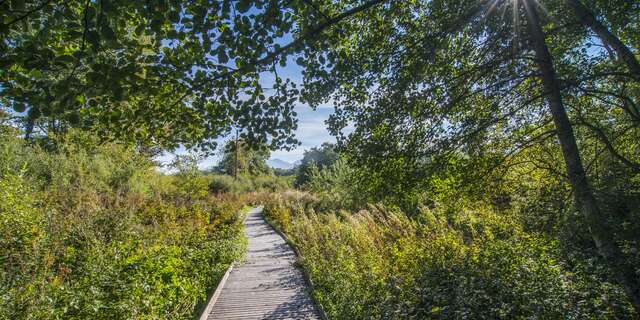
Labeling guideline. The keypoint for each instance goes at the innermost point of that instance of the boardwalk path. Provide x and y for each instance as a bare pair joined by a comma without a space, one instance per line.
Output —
267,285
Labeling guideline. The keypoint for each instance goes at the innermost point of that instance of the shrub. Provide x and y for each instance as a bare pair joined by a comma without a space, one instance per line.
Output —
22,237
265,183
92,231
221,184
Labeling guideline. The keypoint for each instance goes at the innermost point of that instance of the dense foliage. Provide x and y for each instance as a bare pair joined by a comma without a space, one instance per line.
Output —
240,158
377,263
157,73
221,184
94,232
428,89
315,159
504,241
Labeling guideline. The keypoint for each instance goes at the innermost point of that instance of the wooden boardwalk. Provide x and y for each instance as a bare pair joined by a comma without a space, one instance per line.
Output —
267,285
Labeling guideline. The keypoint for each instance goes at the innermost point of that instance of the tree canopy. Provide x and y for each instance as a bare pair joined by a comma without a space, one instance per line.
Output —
161,72
426,84
318,157
241,158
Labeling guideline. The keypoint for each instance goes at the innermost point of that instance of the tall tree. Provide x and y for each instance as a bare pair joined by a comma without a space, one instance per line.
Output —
424,80
588,19
319,157
601,232
241,158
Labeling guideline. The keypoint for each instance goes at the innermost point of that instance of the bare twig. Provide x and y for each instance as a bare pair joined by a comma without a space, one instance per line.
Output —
635,167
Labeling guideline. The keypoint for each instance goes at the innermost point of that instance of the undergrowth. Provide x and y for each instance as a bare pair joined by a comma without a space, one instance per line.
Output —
92,231
380,263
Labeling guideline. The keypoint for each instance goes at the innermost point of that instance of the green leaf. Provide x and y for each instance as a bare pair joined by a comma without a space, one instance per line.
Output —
222,55
243,6
17,5
34,113
174,16
65,59
108,33
19,107
93,37
74,118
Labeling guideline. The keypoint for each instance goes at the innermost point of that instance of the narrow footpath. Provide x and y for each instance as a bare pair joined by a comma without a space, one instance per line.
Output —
267,285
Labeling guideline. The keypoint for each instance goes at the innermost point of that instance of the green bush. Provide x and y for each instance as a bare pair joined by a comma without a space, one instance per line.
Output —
92,231
22,236
335,183
220,183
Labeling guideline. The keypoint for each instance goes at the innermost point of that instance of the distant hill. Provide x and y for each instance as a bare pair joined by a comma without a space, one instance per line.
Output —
279,164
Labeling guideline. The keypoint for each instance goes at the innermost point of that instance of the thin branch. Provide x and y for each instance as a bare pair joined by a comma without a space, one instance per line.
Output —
522,147
635,167
28,13
316,9
594,161
312,33
628,105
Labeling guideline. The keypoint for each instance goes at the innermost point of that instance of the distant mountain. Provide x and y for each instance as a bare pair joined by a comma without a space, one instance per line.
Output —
279,164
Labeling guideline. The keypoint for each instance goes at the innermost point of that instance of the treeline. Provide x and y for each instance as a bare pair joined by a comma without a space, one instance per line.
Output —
243,168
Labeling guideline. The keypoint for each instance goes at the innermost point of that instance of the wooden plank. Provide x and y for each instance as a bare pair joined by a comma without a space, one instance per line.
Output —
216,294
267,285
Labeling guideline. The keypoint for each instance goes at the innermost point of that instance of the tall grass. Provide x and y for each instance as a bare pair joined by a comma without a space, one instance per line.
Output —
378,263
92,231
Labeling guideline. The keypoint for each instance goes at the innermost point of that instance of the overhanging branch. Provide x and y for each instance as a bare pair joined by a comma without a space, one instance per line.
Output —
310,34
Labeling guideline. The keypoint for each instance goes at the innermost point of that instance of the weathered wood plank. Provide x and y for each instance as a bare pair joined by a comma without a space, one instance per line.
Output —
266,285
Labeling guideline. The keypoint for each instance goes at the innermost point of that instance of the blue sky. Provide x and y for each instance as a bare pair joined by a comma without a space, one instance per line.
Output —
312,130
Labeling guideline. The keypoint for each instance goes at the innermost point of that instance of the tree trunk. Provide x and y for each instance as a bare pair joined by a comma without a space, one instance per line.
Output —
235,164
28,129
589,20
601,232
